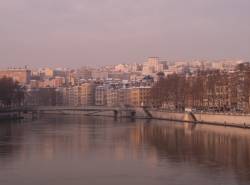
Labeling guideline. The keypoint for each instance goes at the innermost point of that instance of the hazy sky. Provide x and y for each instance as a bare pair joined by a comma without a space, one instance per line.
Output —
97,32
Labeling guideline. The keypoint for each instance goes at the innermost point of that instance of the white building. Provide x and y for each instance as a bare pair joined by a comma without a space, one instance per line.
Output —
152,66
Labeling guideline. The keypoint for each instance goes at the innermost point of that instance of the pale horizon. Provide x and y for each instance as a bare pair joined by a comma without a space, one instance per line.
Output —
33,67
64,33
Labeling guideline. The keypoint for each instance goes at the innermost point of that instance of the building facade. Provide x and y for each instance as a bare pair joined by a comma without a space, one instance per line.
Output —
101,96
19,75
87,94
140,96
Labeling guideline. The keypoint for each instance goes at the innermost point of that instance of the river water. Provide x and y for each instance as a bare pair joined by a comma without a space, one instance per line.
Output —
76,150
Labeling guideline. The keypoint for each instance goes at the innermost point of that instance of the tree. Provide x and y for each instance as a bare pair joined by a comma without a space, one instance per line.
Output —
170,91
11,93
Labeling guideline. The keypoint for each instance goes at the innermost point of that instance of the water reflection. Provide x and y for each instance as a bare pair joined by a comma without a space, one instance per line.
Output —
224,148
156,150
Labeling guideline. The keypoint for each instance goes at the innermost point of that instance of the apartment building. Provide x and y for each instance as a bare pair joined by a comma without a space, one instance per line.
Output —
86,94
140,96
101,96
112,97
20,75
80,95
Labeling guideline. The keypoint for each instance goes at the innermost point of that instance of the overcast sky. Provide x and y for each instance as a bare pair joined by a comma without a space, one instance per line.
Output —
72,33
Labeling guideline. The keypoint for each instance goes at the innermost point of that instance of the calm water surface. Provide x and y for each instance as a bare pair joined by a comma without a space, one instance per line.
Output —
68,150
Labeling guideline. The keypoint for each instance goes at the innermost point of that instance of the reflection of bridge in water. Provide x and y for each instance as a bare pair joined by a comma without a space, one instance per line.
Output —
198,145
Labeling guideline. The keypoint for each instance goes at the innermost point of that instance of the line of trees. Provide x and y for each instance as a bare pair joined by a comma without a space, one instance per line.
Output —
11,93
169,90
208,89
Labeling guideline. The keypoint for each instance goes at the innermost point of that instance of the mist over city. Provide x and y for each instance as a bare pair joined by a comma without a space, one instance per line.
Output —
81,32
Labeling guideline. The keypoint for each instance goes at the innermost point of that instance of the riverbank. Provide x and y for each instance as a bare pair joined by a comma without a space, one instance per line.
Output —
232,120
219,119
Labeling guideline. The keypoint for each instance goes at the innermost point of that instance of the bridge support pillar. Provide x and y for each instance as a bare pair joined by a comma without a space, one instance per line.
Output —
133,114
115,113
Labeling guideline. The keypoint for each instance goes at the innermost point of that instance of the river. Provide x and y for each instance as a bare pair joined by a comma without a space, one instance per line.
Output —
77,150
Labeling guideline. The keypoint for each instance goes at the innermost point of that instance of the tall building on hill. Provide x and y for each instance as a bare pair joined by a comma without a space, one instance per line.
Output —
153,65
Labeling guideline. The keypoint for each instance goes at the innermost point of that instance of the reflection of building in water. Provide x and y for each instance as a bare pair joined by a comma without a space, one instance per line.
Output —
10,134
189,127
204,144
137,138
156,143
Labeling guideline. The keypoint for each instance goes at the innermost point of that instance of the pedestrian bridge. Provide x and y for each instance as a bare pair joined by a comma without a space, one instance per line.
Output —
89,110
